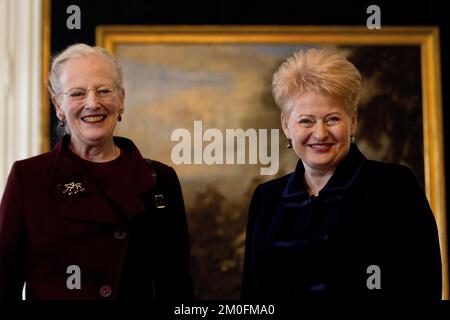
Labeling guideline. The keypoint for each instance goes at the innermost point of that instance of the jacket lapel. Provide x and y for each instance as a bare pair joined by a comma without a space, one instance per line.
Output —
121,199
132,182
295,195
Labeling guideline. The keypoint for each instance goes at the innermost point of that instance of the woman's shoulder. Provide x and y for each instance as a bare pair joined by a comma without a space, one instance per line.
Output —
390,174
274,185
162,172
159,166
36,163
387,168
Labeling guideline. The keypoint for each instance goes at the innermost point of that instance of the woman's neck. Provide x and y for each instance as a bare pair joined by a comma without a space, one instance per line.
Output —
105,152
315,180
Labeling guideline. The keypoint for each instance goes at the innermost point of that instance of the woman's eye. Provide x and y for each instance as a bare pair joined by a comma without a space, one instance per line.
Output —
333,120
306,122
104,93
76,94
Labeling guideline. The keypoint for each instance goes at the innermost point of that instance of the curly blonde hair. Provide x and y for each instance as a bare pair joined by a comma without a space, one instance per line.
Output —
318,70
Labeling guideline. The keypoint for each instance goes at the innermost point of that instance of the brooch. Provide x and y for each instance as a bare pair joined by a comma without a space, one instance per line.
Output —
73,188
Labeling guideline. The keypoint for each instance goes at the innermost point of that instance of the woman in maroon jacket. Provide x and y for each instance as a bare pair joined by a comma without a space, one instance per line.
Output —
92,219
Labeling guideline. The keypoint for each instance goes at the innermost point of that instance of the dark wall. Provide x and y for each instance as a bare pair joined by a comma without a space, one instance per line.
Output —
279,12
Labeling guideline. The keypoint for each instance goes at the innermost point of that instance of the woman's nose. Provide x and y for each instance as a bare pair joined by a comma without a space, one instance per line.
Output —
320,132
91,98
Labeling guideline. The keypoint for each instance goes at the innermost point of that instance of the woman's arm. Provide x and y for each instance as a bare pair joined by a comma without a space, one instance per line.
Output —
248,288
176,282
415,252
12,251
424,250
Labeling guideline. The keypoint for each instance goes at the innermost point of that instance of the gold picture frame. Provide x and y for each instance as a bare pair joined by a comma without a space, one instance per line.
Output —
45,66
425,38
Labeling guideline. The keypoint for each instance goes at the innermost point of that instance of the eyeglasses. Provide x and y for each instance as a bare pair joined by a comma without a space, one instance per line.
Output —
79,95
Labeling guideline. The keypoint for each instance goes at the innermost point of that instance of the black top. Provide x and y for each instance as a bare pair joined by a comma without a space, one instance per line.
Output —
101,173
368,214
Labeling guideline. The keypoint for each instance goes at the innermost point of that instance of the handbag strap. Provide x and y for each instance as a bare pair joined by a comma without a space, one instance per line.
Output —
151,168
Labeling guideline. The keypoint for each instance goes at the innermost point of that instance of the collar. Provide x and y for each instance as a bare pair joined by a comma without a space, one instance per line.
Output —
295,193
343,177
122,195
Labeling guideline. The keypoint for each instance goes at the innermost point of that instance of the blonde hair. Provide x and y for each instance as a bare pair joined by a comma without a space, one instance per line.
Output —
317,70
81,50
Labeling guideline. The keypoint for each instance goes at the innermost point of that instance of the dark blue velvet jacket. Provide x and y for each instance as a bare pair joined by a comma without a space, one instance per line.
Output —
369,215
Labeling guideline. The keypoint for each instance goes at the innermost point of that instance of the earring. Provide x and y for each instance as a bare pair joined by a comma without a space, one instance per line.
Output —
289,144
119,118
61,122
352,139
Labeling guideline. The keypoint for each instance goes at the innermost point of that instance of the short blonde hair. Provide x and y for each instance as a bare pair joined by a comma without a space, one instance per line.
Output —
81,50
318,70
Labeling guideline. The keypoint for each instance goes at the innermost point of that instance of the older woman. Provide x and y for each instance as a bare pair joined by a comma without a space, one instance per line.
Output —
340,225
92,219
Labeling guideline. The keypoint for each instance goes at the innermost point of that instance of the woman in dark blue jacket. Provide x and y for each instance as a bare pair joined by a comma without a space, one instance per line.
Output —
339,226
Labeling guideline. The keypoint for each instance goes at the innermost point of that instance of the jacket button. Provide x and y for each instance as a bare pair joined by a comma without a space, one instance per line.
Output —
105,291
119,235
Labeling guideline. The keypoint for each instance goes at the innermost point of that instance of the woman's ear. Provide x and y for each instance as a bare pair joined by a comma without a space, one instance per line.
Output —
354,125
285,125
122,98
56,104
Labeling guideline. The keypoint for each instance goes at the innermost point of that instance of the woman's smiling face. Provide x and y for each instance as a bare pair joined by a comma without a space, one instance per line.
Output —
320,129
91,120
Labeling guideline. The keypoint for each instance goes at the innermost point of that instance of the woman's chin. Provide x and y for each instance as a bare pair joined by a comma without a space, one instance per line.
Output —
95,137
321,164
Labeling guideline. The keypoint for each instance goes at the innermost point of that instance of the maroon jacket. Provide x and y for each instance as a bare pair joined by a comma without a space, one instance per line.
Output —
129,238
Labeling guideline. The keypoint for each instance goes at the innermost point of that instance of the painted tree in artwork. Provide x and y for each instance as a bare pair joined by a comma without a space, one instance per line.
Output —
390,110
